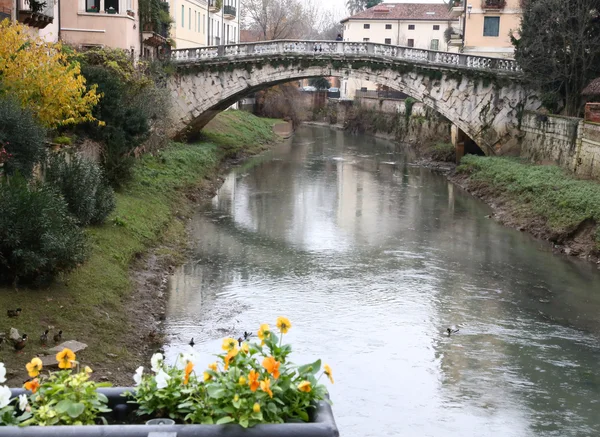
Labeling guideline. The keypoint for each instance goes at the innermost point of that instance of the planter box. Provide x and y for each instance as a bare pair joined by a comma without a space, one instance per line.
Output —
112,12
94,11
322,425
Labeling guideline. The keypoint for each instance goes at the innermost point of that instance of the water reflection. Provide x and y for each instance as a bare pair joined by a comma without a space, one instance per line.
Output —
372,259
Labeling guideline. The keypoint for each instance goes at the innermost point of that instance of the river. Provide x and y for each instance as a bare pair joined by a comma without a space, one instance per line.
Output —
372,259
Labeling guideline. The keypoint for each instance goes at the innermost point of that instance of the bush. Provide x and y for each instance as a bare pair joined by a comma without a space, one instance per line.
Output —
89,197
38,236
444,152
22,136
62,140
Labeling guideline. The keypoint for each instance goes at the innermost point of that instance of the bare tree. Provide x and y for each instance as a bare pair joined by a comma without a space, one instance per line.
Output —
274,19
559,49
289,19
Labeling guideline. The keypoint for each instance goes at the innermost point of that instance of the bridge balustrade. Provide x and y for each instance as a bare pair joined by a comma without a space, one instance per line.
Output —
343,49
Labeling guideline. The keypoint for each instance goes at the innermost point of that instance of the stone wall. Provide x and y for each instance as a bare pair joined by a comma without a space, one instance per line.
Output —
550,139
391,106
569,142
588,158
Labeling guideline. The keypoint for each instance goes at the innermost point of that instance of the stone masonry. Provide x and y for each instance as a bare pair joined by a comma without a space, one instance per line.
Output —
486,112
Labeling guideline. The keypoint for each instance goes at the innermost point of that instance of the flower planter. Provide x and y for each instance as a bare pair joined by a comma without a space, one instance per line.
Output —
94,11
322,424
111,11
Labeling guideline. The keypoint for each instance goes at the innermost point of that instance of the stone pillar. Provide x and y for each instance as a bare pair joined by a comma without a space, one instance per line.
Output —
458,141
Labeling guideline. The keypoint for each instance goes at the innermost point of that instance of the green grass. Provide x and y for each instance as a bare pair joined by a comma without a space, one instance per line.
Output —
88,303
444,152
549,191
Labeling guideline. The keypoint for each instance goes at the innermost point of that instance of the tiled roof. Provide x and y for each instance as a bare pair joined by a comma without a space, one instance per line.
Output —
405,11
593,89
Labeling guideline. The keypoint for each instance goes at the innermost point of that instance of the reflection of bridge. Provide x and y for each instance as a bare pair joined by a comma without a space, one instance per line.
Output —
484,97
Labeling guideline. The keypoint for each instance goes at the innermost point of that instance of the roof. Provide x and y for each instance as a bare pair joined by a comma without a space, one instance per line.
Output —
405,11
593,89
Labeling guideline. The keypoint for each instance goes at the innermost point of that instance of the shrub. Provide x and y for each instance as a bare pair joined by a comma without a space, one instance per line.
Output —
42,77
444,152
22,137
89,197
38,236
62,140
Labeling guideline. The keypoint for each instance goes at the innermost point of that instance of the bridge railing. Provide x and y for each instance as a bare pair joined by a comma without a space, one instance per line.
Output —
345,49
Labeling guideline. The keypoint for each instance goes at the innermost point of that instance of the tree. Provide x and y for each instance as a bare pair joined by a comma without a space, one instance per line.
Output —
275,19
355,6
559,49
40,75
289,19
319,83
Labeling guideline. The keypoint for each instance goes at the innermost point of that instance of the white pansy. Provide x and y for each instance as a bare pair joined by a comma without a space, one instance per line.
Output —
4,396
23,402
2,373
138,375
162,379
189,358
156,361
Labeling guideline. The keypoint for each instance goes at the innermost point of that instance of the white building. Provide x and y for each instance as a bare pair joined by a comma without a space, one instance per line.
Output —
198,23
419,25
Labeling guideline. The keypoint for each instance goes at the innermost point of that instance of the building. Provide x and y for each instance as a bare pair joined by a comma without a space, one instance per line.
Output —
101,23
39,16
485,27
418,25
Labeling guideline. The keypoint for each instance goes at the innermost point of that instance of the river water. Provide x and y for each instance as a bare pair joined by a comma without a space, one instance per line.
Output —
372,259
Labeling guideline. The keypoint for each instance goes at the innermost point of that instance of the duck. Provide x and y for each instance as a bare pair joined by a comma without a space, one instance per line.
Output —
44,337
191,343
452,330
246,336
20,344
14,313
58,337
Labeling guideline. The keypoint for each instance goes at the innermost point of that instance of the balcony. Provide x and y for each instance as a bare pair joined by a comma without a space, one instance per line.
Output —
214,5
229,12
457,8
36,13
495,5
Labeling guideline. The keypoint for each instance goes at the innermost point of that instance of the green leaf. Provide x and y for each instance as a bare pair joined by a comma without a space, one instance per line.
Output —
272,407
310,368
244,422
207,421
224,420
303,415
215,391
73,409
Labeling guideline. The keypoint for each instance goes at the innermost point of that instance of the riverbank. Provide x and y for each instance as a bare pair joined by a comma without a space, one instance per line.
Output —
545,201
115,301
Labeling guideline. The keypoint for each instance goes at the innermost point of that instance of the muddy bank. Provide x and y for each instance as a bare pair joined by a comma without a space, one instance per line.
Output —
115,301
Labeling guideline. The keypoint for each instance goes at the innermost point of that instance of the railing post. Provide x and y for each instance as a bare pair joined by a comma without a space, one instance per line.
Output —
339,47
370,48
462,59
431,56
221,50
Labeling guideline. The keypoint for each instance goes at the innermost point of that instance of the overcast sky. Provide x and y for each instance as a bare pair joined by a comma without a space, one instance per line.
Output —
339,8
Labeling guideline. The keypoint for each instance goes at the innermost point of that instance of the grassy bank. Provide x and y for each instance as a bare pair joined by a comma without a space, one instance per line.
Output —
95,303
548,201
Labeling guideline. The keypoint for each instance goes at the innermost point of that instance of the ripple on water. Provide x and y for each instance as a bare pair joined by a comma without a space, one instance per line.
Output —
372,263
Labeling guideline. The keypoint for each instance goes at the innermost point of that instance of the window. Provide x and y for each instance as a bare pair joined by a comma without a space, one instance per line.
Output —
366,39
182,16
111,6
411,43
411,27
388,40
435,44
491,26
366,26
436,27
388,26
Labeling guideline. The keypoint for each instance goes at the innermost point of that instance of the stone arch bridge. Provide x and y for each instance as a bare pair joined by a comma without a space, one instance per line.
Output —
483,97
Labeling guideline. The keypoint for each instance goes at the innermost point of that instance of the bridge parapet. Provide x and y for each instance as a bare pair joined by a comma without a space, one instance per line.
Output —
345,49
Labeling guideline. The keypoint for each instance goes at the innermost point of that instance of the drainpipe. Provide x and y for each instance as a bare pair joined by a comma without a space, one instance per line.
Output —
464,35
208,23
58,3
398,37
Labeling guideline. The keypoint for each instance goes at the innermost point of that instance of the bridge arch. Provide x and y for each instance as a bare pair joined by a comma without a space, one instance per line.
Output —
486,110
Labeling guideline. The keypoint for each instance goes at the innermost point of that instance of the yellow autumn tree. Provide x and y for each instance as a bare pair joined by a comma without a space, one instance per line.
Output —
40,75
